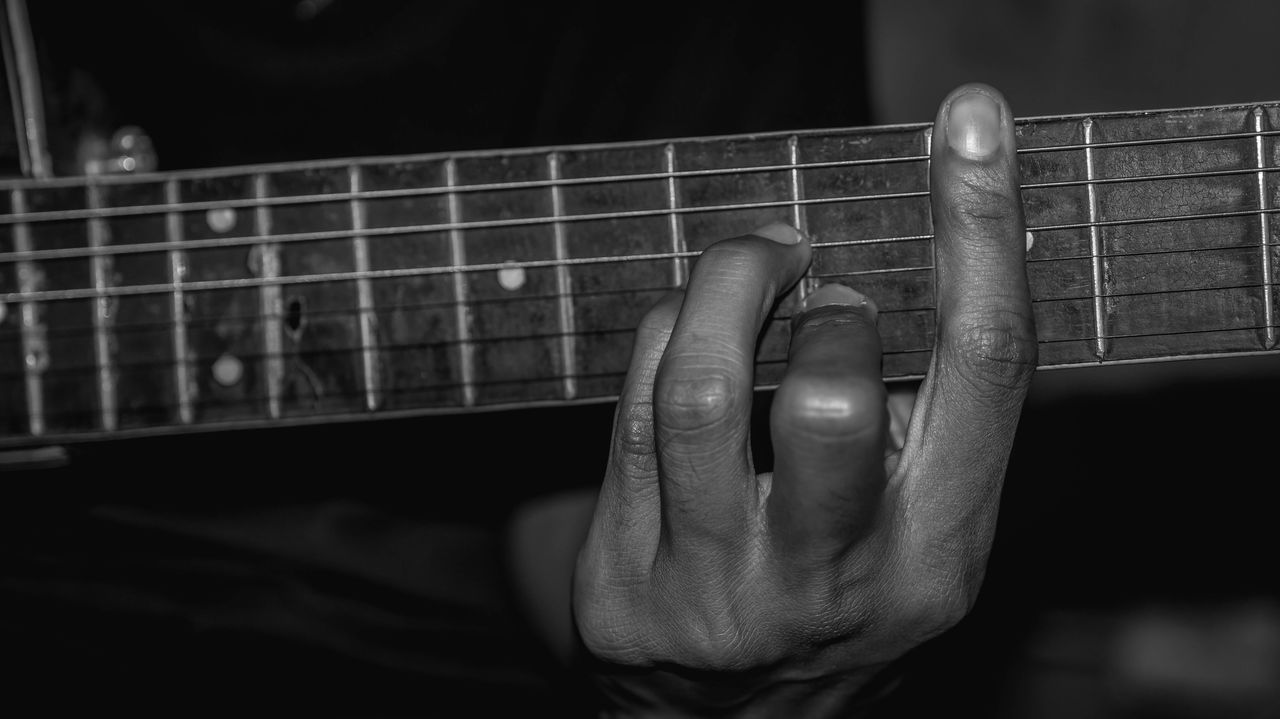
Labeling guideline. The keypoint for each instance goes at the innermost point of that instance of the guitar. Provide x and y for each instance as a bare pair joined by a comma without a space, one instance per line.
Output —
369,288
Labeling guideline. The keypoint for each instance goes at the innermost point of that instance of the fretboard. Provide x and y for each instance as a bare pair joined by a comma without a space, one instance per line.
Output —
380,287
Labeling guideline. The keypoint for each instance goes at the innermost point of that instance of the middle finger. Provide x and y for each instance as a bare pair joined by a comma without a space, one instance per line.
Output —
702,397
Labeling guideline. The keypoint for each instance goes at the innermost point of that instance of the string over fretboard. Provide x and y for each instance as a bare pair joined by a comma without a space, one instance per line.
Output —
440,283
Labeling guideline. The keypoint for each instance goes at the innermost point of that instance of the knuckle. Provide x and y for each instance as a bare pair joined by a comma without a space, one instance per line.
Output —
693,400
835,407
634,433
999,350
714,638
983,195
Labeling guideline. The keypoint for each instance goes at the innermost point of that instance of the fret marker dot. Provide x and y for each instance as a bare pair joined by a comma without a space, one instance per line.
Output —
221,219
511,278
228,370
1031,240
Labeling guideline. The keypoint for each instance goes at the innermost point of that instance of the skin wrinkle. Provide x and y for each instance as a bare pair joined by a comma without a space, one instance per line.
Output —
717,615
697,521
970,196
690,404
992,354
725,589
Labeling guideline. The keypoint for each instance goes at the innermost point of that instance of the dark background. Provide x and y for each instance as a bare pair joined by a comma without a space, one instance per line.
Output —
359,569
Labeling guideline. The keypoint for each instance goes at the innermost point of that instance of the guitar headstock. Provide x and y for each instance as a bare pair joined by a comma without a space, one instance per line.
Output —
22,147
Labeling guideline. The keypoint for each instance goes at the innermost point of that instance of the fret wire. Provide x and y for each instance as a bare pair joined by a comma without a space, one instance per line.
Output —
568,348
461,315
1264,226
271,298
927,142
223,242
781,317
364,293
35,350
798,219
178,307
679,264
1095,245
524,184
106,381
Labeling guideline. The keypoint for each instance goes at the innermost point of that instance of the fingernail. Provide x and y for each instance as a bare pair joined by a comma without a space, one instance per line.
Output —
837,294
779,232
973,125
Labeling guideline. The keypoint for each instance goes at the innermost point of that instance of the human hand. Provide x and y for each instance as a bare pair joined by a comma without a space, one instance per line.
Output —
704,587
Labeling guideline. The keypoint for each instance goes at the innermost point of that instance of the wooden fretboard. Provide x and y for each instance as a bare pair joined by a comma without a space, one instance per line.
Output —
329,291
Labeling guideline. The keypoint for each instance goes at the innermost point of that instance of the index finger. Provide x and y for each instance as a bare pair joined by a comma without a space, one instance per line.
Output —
967,412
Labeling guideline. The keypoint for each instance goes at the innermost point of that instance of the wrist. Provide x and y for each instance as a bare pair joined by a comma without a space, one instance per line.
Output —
632,693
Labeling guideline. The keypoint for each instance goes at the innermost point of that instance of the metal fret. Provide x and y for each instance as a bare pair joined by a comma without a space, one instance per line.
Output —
568,337
178,307
364,293
797,208
1095,246
926,138
107,406
1264,205
35,348
272,305
679,262
466,351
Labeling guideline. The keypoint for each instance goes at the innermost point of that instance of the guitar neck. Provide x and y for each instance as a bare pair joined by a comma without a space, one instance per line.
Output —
337,290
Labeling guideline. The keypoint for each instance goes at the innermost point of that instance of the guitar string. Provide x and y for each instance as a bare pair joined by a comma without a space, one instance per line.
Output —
780,318
247,400
251,241
344,197
1244,213
539,154
1247,171
284,280
159,211
404,390
452,304
109,181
